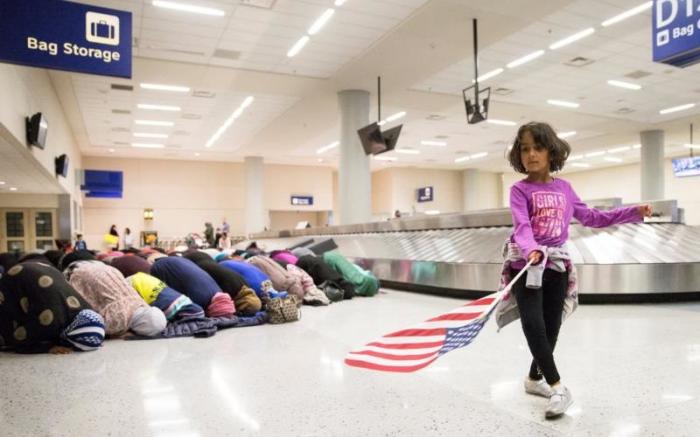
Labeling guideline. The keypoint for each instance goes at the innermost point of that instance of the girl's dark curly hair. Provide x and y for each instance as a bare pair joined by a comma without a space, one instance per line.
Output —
544,136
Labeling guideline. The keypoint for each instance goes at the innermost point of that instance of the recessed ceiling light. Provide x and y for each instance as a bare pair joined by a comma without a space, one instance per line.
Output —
619,149
229,121
197,153
677,108
386,158
433,143
526,58
501,122
564,135
462,159
574,157
489,75
611,159
321,21
159,87
148,145
629,13
408,151
563,103
594,154
339,2
154,123
13,189
692,146
158,107
478,155
321,160
2,182
184,7
324,149
580,164
111,150
626,85
637,146
147,135
296,48
570,39
395,117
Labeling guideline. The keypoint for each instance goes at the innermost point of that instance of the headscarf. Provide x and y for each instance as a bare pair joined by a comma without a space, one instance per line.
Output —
148,321
196,256
233,284
131,264
86,332
281,279
247,302
253,276
174,304
78,255
106,290
153,257
8,260
36,305
184,276
285,256
54,256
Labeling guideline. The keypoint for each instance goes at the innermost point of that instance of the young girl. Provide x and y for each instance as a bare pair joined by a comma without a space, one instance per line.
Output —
542,207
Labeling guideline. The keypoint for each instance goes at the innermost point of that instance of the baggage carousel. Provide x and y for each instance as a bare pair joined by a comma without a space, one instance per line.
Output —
461,254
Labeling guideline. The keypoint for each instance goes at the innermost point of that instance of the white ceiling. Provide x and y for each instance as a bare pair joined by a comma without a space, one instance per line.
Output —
19,171
422,49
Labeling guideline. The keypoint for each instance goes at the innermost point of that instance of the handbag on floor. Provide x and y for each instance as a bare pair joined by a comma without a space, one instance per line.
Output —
283,309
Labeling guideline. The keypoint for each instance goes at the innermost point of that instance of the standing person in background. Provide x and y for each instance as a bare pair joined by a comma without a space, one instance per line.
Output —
113,232
128,239
225,227
224,242
209,234
80,244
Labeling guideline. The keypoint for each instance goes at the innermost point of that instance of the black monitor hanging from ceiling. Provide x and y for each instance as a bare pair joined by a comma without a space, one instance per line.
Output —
476,101
373,140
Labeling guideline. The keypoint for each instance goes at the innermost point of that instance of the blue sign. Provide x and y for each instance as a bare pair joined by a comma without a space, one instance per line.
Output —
425,194
103,183
676,32
63,35
686,166
302,200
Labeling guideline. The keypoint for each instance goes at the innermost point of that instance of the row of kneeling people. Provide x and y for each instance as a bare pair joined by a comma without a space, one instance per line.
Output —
57,303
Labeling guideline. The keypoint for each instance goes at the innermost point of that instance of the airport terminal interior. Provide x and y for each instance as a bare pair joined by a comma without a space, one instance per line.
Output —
349,218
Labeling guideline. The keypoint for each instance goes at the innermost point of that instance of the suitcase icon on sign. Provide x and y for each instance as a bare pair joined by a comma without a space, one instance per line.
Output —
102,28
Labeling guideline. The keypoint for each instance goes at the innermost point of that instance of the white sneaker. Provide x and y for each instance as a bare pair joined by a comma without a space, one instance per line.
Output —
559,402
538,387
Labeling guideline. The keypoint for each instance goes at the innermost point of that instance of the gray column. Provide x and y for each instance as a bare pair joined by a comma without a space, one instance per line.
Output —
255,215
354,178
652,165
469,189
65,225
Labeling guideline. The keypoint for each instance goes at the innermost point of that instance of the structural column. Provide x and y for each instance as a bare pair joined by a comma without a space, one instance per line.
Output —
255,215
652,165
469,189
354,178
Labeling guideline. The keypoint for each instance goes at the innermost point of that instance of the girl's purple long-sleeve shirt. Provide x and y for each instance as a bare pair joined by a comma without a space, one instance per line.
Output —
542,213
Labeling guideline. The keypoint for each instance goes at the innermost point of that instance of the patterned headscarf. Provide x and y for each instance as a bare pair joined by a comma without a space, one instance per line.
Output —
86,332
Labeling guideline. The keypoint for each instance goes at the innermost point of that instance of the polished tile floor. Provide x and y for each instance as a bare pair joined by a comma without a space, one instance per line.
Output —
633,370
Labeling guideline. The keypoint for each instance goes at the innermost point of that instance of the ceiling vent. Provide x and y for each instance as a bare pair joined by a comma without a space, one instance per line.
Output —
120,87
501,91
121,111
203,94
181,133
442,137
120,143
578,61
120,129
435,117
638,74
231,55
624,111
191,116
262,4
174,50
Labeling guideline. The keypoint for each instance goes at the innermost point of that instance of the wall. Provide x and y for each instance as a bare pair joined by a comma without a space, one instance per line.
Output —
185,194
625,182
281,220
25,91
28,200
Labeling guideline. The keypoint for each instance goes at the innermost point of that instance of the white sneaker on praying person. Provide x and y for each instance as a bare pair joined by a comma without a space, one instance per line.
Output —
559,402
538,387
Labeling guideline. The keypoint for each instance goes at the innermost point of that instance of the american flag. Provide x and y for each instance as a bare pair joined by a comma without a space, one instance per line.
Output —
412,349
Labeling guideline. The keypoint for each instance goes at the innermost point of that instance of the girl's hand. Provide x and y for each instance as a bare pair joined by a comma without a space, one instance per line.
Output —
535,256
644,210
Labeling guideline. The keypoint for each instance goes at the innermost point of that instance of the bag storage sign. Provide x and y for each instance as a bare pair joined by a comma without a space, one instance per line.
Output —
676,32
65,35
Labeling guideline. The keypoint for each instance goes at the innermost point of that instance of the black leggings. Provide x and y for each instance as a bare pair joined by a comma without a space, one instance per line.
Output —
540,313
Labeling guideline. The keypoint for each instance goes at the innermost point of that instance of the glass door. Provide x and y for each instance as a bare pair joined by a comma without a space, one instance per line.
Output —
16,231
44,228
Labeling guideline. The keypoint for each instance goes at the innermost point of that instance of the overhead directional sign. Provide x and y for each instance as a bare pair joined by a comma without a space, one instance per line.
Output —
64,35
676,32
